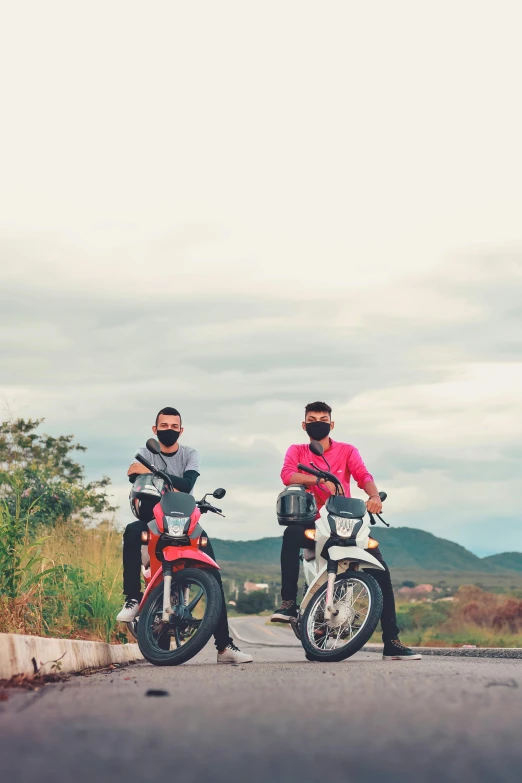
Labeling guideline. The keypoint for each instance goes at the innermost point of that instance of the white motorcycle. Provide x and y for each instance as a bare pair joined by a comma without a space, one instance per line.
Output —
342,604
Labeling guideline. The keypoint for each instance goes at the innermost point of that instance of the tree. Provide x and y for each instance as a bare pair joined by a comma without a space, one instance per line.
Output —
40,473
254,603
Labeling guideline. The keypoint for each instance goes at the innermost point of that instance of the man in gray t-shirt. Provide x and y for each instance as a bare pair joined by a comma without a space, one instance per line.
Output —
182,466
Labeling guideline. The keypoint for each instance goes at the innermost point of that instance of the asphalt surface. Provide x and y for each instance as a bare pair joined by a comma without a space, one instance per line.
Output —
281,718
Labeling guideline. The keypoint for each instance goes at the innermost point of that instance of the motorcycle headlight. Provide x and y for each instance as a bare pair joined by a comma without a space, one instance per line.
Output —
344,527
175,526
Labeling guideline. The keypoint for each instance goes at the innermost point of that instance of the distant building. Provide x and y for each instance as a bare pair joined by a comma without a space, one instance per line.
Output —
252,587
413,591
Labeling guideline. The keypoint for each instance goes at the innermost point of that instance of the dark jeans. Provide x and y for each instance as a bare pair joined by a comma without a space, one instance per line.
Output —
132,576
294,540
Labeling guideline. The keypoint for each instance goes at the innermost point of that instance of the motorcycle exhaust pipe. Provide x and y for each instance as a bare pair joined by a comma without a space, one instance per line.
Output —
167,584
330,612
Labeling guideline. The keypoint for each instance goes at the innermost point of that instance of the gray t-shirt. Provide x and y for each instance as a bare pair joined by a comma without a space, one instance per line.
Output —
178,463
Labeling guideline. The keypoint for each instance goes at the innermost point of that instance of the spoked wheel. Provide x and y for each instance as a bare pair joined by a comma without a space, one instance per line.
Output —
358,601
196,603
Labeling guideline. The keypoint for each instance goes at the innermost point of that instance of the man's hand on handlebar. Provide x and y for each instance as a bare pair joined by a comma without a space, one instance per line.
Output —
374,504
329,485
137,467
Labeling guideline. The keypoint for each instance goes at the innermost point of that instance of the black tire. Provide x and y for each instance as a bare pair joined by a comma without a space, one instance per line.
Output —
160,653
313,653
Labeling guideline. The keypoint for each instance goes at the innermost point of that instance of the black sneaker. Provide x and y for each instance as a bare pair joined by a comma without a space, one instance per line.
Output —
394,650
286,613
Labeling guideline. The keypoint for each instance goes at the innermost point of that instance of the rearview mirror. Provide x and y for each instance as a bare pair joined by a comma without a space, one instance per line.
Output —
219,493
153,445
316,448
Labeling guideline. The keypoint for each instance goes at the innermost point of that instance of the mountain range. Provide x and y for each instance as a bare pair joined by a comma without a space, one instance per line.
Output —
402,547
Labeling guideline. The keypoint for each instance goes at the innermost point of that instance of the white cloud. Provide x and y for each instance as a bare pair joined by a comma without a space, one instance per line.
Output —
184,217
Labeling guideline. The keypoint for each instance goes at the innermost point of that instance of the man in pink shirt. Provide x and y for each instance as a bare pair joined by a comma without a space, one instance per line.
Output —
345,462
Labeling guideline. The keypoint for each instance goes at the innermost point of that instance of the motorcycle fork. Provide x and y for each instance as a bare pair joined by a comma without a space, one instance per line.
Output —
330,612
167,584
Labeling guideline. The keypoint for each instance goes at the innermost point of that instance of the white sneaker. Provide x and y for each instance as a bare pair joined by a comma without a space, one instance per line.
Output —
129,611
233,654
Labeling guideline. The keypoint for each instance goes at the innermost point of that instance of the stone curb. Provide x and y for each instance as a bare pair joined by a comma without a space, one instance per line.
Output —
21,654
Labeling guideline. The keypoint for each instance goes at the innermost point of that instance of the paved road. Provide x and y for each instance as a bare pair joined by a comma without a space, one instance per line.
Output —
279,719
259,630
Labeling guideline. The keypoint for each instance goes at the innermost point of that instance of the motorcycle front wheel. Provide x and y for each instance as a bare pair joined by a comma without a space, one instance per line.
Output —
196,596
358,602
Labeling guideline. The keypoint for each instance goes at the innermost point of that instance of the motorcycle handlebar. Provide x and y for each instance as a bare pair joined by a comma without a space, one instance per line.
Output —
306,469
329,477
154,470
319,473
146,463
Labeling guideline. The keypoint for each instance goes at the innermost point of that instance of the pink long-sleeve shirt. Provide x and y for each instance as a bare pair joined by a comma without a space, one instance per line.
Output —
345,462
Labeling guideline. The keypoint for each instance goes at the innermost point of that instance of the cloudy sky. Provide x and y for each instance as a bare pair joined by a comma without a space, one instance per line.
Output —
237,208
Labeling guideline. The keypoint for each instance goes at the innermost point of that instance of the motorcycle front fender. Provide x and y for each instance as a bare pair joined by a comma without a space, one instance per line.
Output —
352,554
355,554
173,553
191,557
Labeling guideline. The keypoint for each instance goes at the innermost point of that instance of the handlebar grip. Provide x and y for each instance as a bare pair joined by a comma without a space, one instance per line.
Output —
306,469
383,496
145,462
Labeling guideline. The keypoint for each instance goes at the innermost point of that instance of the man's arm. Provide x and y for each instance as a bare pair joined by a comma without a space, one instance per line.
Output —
291,475
137,467
190,474
186,483
365,481
135,470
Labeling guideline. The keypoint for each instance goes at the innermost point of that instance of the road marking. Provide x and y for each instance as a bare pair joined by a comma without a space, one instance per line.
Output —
261,628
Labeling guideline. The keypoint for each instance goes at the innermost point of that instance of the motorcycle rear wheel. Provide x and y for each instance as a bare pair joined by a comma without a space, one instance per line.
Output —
157,648
337,644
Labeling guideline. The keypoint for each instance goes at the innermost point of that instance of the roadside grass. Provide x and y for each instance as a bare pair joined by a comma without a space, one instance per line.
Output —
72,588
474,617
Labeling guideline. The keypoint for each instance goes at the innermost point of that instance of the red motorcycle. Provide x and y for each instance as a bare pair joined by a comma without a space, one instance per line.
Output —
182,603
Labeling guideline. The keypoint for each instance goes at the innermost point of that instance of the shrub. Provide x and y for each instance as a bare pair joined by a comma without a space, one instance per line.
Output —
254,603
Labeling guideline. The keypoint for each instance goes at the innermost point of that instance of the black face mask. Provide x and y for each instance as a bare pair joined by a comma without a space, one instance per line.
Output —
317,430
168,437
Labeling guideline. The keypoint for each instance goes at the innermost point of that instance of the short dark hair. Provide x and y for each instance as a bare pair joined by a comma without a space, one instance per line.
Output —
168,412
318,407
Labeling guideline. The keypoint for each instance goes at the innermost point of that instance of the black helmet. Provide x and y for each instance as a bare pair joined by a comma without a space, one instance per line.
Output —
296,506
144,495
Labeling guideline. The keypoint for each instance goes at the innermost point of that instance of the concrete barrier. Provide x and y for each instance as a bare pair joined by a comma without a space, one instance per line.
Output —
21,654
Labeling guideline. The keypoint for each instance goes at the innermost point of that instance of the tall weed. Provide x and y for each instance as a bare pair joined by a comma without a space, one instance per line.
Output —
474,617
71,584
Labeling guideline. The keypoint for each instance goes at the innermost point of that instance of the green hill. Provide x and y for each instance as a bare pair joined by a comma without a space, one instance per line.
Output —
511,560
264,551
402,547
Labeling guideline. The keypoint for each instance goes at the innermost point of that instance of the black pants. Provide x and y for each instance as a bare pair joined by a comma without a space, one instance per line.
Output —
132,576
294,540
